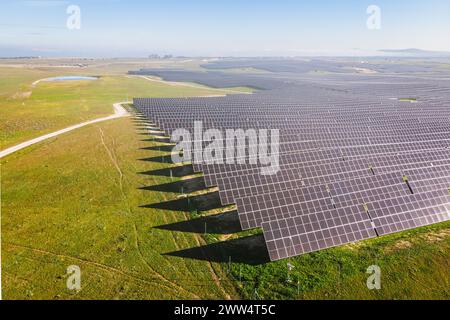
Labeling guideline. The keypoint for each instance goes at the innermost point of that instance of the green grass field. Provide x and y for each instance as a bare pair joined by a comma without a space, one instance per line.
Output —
414,265
27,112
95,206
87,198
81,206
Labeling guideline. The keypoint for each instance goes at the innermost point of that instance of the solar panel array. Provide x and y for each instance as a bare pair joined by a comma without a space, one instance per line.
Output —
213,79
354,162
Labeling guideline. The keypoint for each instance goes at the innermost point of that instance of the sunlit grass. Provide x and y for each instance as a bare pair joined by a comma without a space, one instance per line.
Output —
27,112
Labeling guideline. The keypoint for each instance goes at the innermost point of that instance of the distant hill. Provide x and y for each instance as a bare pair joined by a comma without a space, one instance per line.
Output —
415,53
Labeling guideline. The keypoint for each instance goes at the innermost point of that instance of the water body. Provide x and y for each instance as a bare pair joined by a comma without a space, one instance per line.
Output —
70,78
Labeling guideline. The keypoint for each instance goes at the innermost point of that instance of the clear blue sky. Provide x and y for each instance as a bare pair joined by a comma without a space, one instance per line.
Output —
231,27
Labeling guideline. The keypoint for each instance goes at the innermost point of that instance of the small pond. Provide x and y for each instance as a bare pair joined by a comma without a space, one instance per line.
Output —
71,78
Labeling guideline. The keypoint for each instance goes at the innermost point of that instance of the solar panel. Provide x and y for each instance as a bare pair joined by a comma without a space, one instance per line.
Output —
306,233
354,161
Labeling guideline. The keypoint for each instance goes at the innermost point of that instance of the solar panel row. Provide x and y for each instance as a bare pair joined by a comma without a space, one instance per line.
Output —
355,162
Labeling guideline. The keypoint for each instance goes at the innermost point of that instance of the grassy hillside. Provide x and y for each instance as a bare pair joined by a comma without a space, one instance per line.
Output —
79,198
414,265
28,111
83,205
94,198
78,202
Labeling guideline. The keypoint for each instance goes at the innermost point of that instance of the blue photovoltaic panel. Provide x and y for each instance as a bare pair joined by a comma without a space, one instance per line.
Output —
355,162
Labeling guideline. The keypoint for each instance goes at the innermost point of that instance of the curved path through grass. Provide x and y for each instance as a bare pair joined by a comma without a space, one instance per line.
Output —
119,112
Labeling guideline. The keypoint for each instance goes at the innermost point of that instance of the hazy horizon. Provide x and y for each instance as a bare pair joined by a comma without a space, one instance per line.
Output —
114,28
